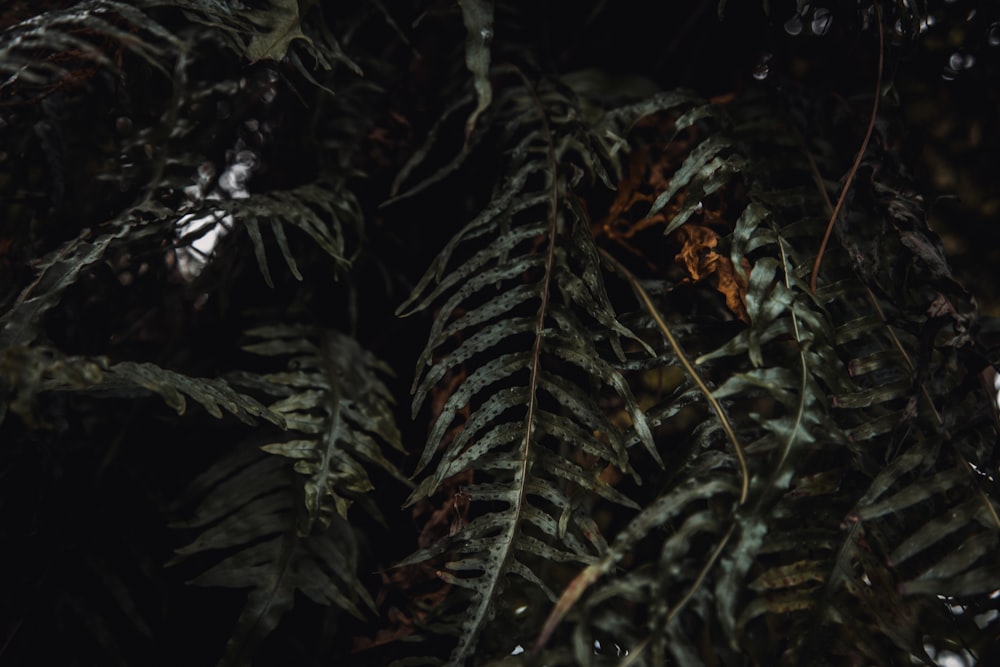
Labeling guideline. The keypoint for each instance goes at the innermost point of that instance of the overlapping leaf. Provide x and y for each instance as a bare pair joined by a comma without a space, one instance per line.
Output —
249,512
759,361
822,389
335,401
82,30
28,371
268,30
518,291
320,210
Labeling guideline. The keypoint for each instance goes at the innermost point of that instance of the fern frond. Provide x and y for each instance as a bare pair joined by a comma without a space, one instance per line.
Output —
785,379
267,30
321,210
83,31
885,415
249,513
284,533
29,371
333,396
22,322
524,292
934,449
212,394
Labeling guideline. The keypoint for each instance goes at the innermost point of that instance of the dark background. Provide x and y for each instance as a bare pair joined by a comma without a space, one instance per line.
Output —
84,534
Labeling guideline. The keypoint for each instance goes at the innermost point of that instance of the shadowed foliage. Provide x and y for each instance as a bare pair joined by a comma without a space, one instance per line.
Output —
653,417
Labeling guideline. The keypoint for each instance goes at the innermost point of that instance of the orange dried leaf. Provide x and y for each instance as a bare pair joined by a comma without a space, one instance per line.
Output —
696,253
700,261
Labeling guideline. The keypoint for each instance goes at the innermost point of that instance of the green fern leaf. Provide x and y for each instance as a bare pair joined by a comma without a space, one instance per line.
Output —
249,513
528,285
214,395
28,371
341,409
78,30
320,210
267,31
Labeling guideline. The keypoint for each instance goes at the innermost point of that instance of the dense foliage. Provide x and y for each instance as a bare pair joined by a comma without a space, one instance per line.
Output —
485,333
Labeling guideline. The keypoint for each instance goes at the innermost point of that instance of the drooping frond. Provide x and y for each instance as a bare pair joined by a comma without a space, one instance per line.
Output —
333,397
320,210
174,195
54,48
29,371
268,30
249,513
167,180
823,389
291,533
647,431
518,292
921,407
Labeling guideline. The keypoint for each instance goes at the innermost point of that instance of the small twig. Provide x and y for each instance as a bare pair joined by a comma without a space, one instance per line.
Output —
857,160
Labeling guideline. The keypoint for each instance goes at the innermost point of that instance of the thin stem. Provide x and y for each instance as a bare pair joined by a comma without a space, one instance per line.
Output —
690,369
857,161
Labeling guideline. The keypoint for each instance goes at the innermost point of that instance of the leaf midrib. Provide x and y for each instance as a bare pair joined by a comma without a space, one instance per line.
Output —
507,540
